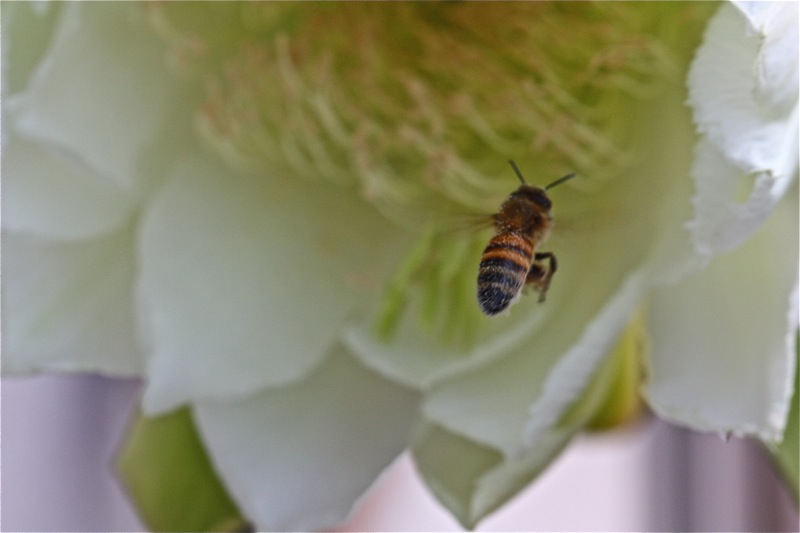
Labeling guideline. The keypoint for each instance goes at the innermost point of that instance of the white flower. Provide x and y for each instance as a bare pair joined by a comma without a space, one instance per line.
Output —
242,275
743,90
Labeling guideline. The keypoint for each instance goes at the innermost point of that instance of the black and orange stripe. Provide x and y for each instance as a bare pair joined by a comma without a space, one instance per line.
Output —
503,270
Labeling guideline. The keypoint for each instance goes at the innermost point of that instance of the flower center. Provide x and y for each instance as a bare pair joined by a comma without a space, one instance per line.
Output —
418,106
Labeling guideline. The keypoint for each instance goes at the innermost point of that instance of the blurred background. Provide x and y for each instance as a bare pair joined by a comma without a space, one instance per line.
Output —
60,435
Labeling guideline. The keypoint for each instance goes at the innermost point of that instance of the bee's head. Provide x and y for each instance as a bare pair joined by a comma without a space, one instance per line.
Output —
533,194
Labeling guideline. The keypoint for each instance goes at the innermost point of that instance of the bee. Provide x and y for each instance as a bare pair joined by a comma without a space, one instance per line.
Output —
510,260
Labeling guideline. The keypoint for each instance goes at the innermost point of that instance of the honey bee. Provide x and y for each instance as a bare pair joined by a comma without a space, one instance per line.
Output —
510,260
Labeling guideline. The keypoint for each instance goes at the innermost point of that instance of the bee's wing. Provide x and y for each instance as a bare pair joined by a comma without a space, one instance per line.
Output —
469,224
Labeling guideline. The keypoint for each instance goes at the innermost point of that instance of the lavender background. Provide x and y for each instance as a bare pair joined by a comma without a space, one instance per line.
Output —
60,434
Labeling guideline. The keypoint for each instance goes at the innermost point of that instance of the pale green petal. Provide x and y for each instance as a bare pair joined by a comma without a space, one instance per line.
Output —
246,281
723,340
418,359
69,307
450,465
490,405
100,92
472,480
295,458
45,196
25,33
752,146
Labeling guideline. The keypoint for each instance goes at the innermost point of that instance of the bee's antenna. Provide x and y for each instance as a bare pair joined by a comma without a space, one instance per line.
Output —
516,170
559,181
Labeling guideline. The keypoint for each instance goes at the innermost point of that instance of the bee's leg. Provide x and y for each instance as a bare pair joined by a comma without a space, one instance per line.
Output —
539,276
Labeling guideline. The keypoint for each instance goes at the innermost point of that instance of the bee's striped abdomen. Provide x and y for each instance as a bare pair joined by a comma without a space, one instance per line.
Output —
504,266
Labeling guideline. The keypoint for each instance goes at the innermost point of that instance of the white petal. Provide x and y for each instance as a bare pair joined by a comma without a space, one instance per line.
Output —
99,94
573,371
722,82
747,136
776,26
247,280
721,223
69,307
46,197
723,341
296,458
